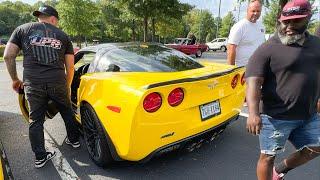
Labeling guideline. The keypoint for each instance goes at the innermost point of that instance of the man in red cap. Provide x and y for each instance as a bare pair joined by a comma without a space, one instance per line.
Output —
284,74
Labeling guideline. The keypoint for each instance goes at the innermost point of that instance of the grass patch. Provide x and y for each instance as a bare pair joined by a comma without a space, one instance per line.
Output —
19,58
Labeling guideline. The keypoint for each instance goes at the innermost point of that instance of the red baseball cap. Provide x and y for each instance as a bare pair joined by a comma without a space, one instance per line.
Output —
295,9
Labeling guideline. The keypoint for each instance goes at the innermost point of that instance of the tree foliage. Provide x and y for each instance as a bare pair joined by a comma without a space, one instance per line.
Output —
132,20
270,19
76,17
226,24
13,15
201,23
154,9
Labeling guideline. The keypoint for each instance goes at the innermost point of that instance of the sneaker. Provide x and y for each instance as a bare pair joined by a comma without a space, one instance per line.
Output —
40,163
277,176
74,144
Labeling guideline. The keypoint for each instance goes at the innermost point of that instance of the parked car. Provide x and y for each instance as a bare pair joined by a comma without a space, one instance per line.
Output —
218,44
5,171
184,45
135,101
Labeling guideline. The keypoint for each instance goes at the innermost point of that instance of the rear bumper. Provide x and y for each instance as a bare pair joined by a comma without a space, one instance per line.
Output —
175,145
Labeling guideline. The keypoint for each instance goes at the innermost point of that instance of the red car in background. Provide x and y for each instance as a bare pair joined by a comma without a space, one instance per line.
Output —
184,45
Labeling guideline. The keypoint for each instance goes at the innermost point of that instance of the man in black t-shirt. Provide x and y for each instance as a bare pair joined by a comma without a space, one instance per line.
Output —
284,73
48,63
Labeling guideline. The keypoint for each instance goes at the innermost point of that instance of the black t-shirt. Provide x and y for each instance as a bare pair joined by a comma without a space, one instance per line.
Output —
44,48
291,77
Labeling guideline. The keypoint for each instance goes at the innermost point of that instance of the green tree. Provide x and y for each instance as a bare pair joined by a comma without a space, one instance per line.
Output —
226,24
76,18
201,23
151,9
270,19
111,23
13,15
171,28
52,3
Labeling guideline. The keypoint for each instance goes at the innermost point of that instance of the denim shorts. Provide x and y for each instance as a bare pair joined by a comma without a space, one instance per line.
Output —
301,133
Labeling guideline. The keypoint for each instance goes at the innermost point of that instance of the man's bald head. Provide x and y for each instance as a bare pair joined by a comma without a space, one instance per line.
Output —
254,10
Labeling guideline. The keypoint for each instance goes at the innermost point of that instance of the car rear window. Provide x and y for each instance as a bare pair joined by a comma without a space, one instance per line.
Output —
151,58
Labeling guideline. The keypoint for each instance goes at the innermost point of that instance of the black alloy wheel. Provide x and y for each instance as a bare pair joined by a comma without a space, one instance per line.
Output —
95,137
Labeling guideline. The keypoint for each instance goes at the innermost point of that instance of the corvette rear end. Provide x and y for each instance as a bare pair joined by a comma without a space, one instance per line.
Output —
134,101
155,111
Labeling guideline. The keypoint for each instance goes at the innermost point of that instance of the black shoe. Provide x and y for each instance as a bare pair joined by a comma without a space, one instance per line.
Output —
40,163
74,144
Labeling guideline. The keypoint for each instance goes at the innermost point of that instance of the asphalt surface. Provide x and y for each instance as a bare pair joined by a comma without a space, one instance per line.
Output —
232,156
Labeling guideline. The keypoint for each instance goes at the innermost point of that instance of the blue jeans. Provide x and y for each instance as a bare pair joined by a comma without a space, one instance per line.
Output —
301,133
38,96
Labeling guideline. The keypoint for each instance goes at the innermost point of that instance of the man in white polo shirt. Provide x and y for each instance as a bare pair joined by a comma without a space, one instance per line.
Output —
246,36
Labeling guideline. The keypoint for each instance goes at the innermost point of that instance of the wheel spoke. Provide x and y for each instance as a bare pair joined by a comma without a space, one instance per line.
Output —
92,130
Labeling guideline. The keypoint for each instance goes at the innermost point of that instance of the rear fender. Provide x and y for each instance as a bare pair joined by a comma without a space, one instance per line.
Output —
101,93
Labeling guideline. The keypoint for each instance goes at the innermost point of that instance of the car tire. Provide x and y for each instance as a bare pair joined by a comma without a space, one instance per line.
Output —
95,137
223,48
199,53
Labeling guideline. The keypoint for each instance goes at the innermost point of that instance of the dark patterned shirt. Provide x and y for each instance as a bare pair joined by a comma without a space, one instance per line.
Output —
44,47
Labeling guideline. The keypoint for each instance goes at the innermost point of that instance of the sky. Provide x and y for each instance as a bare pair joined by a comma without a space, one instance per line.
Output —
213,7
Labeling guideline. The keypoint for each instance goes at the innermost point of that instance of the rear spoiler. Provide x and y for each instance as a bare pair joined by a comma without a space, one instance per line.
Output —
192,79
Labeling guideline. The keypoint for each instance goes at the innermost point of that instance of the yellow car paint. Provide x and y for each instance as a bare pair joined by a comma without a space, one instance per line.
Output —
136,133
1,171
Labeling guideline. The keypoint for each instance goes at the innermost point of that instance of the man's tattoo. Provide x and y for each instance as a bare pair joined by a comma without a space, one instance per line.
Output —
10,55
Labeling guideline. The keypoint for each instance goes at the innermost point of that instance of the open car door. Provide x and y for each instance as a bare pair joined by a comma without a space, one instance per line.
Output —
52,109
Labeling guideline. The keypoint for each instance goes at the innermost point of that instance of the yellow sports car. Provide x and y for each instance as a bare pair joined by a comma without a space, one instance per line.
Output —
135,101
5,172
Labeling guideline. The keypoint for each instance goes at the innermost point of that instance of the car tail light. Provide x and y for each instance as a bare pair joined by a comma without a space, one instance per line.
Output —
152,102
243,80
175,97
234,81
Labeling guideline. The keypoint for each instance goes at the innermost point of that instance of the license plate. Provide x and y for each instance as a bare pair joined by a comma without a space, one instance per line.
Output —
210,110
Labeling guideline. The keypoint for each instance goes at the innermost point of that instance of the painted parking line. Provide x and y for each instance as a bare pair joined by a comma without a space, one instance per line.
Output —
60,163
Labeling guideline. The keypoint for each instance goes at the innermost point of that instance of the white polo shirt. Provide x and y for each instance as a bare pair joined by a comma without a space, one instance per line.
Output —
248,37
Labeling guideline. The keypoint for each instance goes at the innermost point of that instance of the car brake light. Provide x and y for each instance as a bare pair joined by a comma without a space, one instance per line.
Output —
243,80
152,102
234,81
175,97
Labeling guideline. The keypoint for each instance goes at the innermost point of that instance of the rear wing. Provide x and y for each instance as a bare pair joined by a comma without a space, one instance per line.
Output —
222,73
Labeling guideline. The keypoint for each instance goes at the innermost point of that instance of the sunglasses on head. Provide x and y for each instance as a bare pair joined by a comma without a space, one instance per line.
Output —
295,11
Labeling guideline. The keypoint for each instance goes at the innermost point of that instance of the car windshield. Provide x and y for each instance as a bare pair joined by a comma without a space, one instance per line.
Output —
151,58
